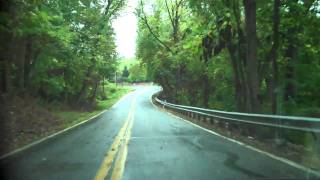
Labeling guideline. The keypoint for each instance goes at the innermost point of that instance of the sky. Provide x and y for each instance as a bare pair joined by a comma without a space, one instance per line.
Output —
125,27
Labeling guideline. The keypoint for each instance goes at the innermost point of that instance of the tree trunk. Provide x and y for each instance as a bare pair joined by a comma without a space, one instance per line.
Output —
252,63
274,82
84,87
289,91
19,48
94,94
3,76
206,91
207,44
238,58
27,62
291,54
103,88
4,67
239,90
292,50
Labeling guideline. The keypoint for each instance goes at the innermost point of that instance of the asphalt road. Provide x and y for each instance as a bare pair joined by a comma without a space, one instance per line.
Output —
135,141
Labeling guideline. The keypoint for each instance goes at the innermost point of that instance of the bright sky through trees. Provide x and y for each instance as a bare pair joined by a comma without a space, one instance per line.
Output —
126,31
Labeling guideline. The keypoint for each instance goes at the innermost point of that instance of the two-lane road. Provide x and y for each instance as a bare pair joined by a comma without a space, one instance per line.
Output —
135,140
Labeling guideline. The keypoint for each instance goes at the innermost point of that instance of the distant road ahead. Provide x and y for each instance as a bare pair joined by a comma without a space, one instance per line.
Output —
135,141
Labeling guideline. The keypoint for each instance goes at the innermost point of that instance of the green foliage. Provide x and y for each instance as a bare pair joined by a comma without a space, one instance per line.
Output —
125,72
138,73
65,48
74,117
179,64
201,58
132,71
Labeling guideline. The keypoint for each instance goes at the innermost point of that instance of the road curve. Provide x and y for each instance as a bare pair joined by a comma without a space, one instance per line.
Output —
134,140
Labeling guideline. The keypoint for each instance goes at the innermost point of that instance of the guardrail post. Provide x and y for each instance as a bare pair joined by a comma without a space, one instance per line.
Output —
220,124
208,120
211,120
226,125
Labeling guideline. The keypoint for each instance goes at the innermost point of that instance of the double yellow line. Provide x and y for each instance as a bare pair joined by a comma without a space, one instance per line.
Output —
118,150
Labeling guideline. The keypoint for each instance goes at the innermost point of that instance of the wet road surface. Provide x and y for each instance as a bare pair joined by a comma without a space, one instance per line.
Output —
135,141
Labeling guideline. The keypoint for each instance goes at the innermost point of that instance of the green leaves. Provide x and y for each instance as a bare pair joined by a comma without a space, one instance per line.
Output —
224,22
65,48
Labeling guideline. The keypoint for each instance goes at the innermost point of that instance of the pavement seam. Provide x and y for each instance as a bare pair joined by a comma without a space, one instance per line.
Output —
283,160
64,131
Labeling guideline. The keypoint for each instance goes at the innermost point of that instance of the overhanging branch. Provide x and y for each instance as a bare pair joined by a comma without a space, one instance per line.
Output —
144,18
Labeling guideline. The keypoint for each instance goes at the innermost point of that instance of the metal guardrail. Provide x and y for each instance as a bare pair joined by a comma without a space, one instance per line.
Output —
305,124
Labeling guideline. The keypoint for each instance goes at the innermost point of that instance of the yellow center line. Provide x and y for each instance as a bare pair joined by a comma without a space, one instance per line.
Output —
111,154
121,159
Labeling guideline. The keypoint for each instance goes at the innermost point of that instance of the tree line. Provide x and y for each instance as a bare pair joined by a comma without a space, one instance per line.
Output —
57,50
248,56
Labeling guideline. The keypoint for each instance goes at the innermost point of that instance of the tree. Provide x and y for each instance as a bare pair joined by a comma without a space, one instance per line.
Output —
273,54
125,72
252,62
57,50
238,54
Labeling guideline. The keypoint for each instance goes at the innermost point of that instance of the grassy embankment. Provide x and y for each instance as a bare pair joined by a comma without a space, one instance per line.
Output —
114,94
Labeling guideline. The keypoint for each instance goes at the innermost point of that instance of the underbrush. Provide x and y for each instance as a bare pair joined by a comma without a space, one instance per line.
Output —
25,119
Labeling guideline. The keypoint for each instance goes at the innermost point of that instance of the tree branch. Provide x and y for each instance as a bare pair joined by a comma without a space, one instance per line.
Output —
144,18
170,16
116,7
188,30
106,10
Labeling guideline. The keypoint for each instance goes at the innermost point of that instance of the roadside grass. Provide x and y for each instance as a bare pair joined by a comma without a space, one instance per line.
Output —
27,120
113,92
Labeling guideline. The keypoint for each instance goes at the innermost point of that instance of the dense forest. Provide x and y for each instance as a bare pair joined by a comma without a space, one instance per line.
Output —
259,56
58,60
57,50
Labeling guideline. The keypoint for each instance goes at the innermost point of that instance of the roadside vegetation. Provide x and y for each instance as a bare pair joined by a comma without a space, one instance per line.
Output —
57,61
249,56
72,117
27,119
132,71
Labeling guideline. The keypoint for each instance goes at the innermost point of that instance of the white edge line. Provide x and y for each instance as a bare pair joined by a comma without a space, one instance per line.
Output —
283,160
59,132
